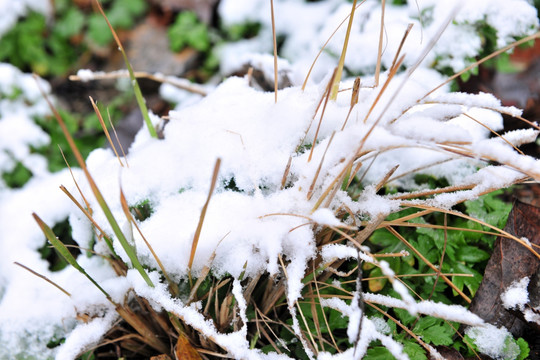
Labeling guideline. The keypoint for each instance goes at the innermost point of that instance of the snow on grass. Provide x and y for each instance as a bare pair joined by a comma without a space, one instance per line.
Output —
261,213
460,43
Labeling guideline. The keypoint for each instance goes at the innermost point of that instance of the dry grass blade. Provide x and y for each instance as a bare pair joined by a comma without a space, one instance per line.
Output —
89,217
203,214
125,207
391,75
286,173
400,47
312,345
424,193
481,61
315,316
275,50
324,46
325,318
204,273
398,323
494,133
326,97
117,139
380,49
97,193
43,277
354,99
312,186
336,81
105,130
180,83
428,263
140,325
501,232
76,183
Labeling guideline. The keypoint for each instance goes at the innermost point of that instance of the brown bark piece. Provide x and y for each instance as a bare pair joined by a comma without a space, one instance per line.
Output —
509,262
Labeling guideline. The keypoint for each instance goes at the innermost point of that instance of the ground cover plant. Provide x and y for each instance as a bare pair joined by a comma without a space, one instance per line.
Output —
348,215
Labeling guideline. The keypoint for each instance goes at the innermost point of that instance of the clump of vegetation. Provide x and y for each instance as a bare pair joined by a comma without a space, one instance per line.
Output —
305,225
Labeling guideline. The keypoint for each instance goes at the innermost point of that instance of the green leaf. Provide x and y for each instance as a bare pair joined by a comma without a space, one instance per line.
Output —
98,31
404,316
70,24
378,353
434,331
17,177
524,349
187,30
383,237
471,254
472,283
414,350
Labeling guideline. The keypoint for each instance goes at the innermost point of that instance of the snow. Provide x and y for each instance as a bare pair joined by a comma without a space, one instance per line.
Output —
254,219
494,342
516,295
11,11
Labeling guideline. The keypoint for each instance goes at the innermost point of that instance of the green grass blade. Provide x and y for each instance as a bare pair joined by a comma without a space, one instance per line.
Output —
64,252
138,94
130,251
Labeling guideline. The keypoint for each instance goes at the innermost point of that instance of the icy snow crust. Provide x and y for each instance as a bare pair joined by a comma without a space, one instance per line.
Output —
259,209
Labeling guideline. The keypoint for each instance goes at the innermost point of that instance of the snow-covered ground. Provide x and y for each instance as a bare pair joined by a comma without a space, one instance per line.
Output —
247,228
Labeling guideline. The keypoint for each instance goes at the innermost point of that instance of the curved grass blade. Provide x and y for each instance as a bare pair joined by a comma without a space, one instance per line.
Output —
43,277
130,251
138,94
64,252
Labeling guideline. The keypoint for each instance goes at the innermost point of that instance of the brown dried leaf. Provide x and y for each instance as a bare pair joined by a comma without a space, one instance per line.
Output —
509,262
161,357
184,350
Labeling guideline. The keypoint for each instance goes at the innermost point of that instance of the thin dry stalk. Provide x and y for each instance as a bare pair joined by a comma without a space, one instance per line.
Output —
391,74
398,323
494,133
400,47
481,61
326,97
183,84
85,212
105,130
286,173
427,262
380,49
204,273
312,345
43,277
501,231
203,214
354,99
330,333
117,139
275,51
90,211
324,46
312,186
315,316
125,207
